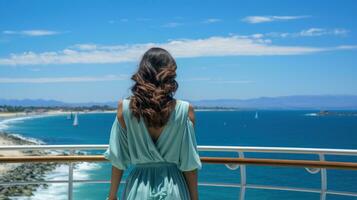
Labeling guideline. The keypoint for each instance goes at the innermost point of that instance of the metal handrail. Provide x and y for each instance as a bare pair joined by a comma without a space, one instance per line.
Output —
290,150
312,166
211,160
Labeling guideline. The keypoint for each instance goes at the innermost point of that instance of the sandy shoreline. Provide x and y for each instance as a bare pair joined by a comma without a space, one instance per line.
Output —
22,171
15,139
12,139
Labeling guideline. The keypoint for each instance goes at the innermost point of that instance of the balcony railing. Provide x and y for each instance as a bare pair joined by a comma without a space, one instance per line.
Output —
312,166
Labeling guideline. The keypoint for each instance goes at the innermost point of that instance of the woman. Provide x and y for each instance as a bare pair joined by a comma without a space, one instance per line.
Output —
155,132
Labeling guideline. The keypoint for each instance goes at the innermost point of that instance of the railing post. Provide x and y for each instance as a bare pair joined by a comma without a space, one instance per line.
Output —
70,178
323,179
243,178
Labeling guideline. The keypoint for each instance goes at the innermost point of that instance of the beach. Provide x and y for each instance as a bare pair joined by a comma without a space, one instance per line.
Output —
6,139
22,171
15,139
33,171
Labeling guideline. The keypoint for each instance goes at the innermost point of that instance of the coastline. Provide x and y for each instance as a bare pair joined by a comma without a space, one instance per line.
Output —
9,139
22,171
34,171
7,115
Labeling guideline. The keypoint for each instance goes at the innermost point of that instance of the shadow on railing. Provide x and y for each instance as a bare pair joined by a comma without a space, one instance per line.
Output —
313,167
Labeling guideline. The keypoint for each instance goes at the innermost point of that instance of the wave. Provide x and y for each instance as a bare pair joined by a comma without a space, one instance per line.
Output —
59,191
30,139
311,114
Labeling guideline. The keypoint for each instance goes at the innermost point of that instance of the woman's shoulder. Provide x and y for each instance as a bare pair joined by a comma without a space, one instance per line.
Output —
186,104
121,110
124,102
120,116
183,102
187,109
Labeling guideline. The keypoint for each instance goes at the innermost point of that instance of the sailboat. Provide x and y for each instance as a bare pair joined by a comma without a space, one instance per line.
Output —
75,121
256,115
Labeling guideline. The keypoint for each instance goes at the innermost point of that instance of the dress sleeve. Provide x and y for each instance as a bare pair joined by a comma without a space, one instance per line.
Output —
189,158
118,150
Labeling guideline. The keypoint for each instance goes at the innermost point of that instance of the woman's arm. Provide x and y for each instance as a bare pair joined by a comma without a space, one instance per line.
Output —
191,176
117,173
114,183
191,180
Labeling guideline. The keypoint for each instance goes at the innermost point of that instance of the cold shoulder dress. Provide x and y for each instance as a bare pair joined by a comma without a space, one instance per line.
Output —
157,166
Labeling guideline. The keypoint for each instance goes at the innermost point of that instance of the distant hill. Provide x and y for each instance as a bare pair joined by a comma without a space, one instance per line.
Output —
50,103
298,102
31,102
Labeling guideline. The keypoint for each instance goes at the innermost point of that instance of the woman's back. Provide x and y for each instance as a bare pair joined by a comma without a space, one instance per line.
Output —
176,140
156,162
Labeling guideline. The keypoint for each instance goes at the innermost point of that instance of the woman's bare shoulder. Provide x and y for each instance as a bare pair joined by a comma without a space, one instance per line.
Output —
191,113
120,114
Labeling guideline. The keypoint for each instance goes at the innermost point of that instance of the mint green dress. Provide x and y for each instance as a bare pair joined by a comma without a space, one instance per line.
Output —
158,166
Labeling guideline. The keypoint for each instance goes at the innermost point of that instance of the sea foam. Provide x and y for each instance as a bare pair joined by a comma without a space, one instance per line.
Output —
59,191
56,191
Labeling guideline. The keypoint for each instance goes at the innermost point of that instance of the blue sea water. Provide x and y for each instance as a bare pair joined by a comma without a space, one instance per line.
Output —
273,128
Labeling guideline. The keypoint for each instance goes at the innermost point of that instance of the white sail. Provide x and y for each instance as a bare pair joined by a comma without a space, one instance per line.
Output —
75,121
256,115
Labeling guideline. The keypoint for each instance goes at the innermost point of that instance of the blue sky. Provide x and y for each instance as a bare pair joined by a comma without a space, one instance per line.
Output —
80,51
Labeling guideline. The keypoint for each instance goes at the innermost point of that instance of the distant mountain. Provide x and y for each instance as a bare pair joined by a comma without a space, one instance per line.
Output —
31,102
49,103
298,102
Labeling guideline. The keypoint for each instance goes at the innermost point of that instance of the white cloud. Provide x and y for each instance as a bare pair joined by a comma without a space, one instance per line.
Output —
218,80
172,25
85,46
264,19
321,31
311,32
63,79
32,33
183,48
211,21
347,47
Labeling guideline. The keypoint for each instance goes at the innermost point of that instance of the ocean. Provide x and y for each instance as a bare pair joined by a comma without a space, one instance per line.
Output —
236,128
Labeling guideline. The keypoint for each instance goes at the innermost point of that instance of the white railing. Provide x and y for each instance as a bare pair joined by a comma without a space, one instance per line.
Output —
240,150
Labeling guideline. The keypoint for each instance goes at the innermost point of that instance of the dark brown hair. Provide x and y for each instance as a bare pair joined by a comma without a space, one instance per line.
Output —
154,88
